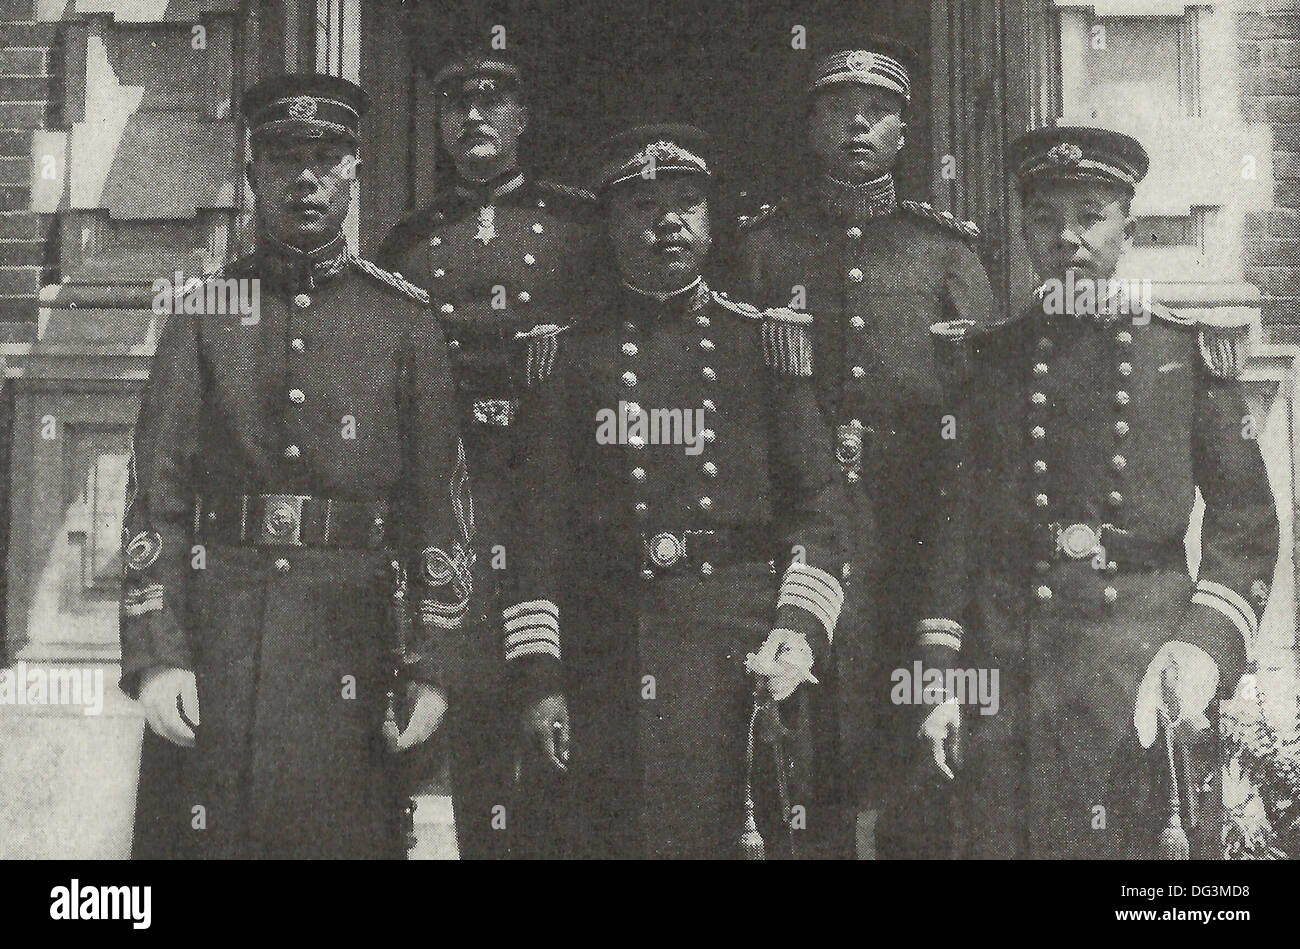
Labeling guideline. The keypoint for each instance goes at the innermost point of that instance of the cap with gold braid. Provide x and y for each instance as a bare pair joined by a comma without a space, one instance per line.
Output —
653,150
869,60
305,105
1078,153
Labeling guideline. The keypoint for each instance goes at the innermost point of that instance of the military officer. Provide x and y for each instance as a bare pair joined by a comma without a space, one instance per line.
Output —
874,273
498,249
296,527
679,541
1097,415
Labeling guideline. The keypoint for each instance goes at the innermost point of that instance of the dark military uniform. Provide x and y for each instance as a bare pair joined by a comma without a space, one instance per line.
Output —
874,275
653,568
1092,437
497,259
283,461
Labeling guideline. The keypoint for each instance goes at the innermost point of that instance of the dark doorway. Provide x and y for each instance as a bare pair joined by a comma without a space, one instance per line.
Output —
728,66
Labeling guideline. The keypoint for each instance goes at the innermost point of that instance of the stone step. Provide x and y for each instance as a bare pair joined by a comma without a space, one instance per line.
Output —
22,253
24,115
26,226
27,88
15,198
23,280
18,10
16,170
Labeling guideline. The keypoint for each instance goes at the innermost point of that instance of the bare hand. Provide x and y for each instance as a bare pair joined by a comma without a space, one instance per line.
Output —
164,692
547,720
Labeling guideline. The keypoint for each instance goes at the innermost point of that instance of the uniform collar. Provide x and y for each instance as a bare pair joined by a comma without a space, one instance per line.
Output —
857,203
1067,303
686,300
484,193
296,268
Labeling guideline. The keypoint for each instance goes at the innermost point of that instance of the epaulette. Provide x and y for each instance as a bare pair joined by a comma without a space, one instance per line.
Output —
966,230
567,191
400,284
787,342
542,345
735,306
1224,342
1168,315
765,212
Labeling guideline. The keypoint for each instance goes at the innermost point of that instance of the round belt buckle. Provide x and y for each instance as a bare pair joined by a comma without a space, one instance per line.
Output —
280,520
1078,541
666,549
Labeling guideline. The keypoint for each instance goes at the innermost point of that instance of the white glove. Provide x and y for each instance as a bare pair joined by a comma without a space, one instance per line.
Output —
785,660
162,688
1181,679
428,706
942,729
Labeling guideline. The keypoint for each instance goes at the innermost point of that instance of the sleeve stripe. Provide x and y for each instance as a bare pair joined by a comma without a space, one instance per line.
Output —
1235,599
1243,627
936,637
533,649
814,590
531,606
533,633
143,600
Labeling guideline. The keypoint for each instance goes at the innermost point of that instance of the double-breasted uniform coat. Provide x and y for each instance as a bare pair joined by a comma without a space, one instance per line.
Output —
1091,438
649,571
282,462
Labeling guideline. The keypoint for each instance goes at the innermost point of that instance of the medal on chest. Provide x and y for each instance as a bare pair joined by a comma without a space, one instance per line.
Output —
487,217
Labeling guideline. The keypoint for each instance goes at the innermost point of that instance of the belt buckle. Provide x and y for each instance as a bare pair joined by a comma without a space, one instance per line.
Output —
281,522
848,449
665,549
1078,541
496,412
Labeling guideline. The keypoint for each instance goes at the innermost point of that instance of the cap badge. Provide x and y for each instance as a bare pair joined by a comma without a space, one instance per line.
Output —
859,60
302,107
1066,153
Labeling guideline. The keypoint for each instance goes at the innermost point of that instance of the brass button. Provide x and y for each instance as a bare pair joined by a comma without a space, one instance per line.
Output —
1038,433
633,409
708,373
524,296
638,474
1040,466
1126,369
636,441
708,435
529,259
537,228
629,349
857,322
297,345
297,396
1040,368
1119,462
435,240
1038,398
858,372
854,232
710,405
647,574
439,273
282,565
702,320
855,275
293,451
447,308
1121,397
642,509
1111,594
1040,500
1121,428
706,504
302,299
453,344
1115,499
709,469
706,569
629,379
1044,593
1124,337
707,345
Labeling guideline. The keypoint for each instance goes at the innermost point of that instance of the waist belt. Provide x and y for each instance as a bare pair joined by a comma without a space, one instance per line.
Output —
1122,550
698,551
291,520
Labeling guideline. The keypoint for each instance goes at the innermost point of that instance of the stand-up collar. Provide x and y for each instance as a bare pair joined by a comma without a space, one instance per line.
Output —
484,193
857,203
672,303
301,269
